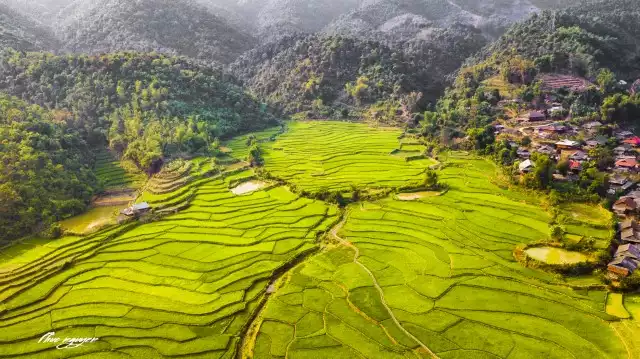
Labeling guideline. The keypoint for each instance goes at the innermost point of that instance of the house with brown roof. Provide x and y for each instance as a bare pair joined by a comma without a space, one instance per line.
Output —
625,206
536,116
622,266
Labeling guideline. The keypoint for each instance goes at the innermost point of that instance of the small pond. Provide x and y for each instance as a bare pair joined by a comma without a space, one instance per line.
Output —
415,195
248,187
91,220
552,255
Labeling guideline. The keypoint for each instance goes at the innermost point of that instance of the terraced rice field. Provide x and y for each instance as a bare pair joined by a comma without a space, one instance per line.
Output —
185,285
335,155
436,278
224,275
115,174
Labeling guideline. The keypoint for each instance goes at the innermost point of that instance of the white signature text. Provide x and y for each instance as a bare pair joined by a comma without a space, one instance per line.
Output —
66,343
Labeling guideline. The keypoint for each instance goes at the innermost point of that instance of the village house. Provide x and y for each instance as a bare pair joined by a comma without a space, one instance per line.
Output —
633,141
628,250
592,126
523,153
546,150
575,166
619,183
622,135
535,116
593,143
567,145
579,156
622,150
629,231
626,164
136,209
622,266
552,129
526,166
625,206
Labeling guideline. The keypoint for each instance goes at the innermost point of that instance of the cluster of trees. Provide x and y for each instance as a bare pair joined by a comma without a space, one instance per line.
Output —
45,168
142,105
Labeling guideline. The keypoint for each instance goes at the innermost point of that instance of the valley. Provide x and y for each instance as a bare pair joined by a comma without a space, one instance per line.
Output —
271,273
308,179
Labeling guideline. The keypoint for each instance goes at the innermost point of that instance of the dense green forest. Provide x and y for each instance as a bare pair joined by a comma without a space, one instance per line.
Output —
310,73
45,170
141,105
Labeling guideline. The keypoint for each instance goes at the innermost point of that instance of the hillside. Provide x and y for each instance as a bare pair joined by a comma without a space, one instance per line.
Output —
593,35
23,33
585,42
306,73
176,27
44,168
273,19
402,20
142,105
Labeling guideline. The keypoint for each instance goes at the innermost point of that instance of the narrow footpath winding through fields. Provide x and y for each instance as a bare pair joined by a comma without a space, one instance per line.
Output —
334,232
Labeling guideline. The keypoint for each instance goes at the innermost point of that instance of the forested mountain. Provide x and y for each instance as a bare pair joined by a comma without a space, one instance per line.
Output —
44,167
272,19
23,33
306,73
142,105
43,11
177,27
403,19
598,41
578,39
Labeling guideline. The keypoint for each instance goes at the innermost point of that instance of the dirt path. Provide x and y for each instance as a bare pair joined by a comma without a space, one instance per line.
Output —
334,232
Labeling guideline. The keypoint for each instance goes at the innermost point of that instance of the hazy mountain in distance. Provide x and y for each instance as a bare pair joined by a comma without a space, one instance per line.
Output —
42,11
23,33
405,19
180,27
275,18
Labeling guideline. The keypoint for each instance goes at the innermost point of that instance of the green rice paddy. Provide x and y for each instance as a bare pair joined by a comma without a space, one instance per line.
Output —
428,276
435,277
116,174
184,285
335,155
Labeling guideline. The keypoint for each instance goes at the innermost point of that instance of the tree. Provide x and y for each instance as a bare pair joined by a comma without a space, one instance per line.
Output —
563,167
255,156
431,179
606,80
